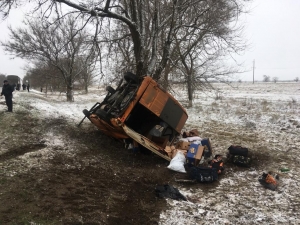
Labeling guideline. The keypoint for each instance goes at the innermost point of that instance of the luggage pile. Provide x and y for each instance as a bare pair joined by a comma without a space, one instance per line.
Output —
238,155
191,151
203,174
194,153
198,158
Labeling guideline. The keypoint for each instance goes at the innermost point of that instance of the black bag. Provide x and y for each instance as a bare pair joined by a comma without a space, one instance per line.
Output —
203,174
241,160
168,191
238,150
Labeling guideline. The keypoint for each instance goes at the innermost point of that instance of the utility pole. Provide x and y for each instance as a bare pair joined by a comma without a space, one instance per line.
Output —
253,69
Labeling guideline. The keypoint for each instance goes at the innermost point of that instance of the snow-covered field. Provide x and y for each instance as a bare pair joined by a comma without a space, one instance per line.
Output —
263,117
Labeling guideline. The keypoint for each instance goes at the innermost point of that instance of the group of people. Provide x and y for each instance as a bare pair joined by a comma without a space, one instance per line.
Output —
24,86
7,91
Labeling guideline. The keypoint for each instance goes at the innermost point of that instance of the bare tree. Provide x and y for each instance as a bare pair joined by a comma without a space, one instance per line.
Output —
275,79
87,73
61,44
44,75
148,28
266,78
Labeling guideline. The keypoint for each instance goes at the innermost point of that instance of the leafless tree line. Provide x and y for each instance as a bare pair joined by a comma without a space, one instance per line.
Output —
186,40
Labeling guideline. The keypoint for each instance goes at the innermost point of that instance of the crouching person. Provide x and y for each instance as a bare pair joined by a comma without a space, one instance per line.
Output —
269,181
217,163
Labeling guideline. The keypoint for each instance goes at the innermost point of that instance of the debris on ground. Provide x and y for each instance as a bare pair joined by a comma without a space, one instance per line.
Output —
284,169
238,155
177,163
269,181
168,191
203,174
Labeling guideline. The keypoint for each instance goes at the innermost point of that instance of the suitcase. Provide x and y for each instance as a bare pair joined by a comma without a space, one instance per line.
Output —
241,160
238,150
203,174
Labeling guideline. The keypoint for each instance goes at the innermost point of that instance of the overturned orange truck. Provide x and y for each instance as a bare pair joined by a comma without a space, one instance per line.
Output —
139,109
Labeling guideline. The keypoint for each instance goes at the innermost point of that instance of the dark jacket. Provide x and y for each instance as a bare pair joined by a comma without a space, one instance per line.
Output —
7,90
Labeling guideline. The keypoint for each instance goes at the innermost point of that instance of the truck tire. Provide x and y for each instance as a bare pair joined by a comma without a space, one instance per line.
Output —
86,113
110,89
126,100
131,77
103,115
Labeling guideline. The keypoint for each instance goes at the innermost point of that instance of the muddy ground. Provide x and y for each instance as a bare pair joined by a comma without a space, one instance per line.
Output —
54,172
99,183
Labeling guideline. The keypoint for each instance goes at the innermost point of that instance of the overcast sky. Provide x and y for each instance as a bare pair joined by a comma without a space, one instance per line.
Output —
272,29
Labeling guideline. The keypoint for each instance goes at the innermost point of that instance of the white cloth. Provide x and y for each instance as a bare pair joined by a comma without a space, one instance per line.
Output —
177,163
191,139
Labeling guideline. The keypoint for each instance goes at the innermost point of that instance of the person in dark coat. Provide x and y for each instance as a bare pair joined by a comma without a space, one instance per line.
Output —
24,87
7,91
28,87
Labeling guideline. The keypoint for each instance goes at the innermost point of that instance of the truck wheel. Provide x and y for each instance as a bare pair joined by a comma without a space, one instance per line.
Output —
86,113
131,77
103,115
110,89
126,100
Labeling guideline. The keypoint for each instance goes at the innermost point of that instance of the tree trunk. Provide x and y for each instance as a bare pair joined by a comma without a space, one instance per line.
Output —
69,83
190,90
166,76
70,97
86,87
166,81
46,88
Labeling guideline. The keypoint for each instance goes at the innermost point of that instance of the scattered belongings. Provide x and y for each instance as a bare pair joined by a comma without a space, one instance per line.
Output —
203,174
177,163
269,181
238,155
240,160
168,191
191,133
206,174
194,154
284,169
196,151
238,150
217,163
190,150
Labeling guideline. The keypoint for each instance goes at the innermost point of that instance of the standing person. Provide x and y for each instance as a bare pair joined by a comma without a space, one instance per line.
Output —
7,91
24,87
28,87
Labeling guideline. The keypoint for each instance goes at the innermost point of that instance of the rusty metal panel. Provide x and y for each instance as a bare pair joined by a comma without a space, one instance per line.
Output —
154,99
172,113
181,122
